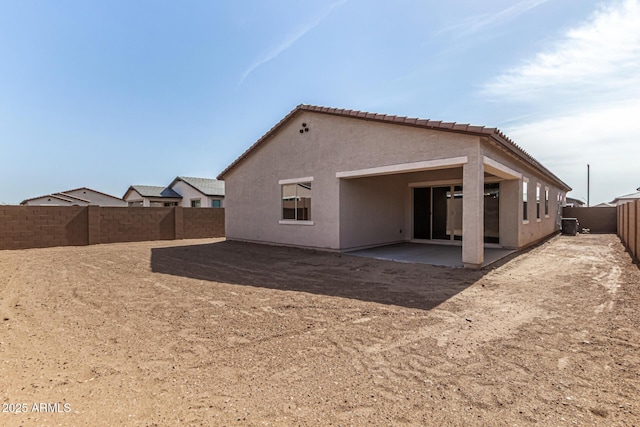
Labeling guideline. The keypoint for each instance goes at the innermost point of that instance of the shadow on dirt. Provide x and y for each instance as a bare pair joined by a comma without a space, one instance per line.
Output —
336,275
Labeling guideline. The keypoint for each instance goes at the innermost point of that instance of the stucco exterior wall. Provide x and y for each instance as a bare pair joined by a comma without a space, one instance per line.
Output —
189,193
332,144
134,196
372,211
531,230
378,210
368,211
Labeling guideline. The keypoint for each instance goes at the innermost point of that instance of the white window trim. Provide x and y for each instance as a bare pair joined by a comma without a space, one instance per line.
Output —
547,201
539,206
405,167
294,222
447,183
295,181
525,180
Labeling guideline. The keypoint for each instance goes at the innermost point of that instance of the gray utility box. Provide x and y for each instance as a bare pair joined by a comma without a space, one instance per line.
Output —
570,226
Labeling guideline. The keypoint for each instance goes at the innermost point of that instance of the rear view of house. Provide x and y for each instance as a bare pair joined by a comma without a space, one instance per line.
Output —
344,179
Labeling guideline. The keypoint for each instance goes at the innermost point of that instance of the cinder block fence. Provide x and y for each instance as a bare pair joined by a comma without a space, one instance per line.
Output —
629,227
23,227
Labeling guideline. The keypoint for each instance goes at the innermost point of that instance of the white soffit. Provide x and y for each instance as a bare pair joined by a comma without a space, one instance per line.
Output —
500,170
451,162
295,180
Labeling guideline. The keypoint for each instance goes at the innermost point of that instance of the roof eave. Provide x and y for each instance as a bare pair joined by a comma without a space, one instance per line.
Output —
179,178
481,131
500,138
263,138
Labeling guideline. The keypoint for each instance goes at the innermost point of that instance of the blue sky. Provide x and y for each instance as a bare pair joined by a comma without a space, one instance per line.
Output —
113,93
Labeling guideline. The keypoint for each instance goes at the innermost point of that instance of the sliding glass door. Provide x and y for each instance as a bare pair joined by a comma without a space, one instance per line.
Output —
437,213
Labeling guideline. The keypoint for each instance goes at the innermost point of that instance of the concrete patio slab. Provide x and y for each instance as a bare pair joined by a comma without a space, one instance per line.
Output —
421,253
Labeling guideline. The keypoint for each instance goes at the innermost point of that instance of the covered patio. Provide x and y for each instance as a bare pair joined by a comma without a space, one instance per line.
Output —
456,211
431,254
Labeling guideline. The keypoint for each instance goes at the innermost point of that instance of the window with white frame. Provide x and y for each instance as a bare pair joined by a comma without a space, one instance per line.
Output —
538,201
546,202
525,213
195,203
296,200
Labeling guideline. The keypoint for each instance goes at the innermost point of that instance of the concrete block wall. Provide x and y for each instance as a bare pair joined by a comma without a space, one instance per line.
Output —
597,220
23,227
136,224
202,223
629,227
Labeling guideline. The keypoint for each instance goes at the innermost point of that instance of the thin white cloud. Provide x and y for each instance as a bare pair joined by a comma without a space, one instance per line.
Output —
289,41
584,91
604,137
598,59
476,23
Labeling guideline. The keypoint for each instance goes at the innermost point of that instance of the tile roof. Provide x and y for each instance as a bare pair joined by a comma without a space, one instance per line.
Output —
94,191
494,133
62,195
58,196
70,197
631,196
207,186
154,191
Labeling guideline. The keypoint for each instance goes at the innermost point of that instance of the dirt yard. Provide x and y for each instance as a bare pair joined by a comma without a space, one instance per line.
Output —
208,332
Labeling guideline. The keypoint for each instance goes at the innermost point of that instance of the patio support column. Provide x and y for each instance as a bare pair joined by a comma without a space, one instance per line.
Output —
473,213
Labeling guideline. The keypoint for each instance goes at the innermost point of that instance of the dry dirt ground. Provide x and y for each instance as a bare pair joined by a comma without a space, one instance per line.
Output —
208,332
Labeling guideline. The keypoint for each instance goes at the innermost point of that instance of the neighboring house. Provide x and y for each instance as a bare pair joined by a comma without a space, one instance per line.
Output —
621,200
151,195
82,196
199,192
343,179
572,202
183,191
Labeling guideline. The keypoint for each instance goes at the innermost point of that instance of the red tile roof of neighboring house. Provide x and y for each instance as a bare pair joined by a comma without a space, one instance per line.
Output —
493,133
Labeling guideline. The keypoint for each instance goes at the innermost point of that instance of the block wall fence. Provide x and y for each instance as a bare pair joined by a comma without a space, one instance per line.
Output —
629,227
23,227
597,220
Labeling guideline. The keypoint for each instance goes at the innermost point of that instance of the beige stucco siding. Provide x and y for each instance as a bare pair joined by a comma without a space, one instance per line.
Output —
332,144
254,208
135,197
372,211
533,229
362,175
378,210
